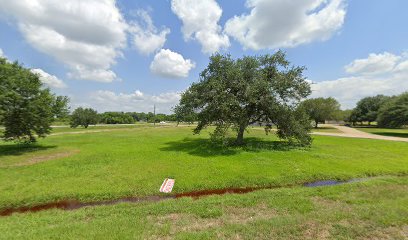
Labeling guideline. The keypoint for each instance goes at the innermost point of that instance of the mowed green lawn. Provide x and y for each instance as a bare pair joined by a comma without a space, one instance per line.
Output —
401,132
134,162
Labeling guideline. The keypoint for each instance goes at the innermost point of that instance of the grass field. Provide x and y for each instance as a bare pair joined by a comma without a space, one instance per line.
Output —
403,132
324,129
375,209
133,161
63,129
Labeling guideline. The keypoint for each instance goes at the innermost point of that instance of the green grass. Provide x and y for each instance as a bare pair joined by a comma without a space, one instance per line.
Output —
403,132
319,129
326,129
134,162
373,209
63,129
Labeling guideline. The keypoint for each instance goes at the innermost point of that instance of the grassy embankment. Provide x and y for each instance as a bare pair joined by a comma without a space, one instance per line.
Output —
375,209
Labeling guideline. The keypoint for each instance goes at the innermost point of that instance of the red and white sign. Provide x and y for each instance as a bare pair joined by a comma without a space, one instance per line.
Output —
167,185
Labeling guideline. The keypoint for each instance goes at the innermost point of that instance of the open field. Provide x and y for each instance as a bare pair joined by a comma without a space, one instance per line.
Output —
324,129
403,132
134,162
63,129
373,209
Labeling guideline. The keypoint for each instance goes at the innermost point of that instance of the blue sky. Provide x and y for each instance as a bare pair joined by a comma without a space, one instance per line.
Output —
129,55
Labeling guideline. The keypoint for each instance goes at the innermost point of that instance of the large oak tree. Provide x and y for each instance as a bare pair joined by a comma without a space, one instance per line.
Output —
27,107
236,93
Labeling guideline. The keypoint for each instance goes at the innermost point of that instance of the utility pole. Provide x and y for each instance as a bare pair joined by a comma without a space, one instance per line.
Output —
154,115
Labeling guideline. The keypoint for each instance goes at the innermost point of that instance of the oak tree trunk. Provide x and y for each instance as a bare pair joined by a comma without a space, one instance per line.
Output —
240,136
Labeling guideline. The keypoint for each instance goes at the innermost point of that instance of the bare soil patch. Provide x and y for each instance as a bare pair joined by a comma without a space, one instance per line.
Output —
48,157
181,222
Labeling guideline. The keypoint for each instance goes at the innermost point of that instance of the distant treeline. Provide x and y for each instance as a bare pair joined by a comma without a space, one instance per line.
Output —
126,117
132,117
387,111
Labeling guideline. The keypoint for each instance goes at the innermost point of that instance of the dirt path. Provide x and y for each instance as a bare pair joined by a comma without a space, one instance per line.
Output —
354,133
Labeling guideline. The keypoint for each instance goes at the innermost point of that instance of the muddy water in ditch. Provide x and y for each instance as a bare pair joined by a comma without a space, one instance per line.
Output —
74,204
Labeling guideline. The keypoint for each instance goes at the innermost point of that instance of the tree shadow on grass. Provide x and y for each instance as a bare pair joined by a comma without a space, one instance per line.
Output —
19,149
392,134
206,148
324,128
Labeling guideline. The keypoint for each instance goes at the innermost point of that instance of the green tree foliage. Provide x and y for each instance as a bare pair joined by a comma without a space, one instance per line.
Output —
236,93
27,108
343,115
83,117
182,114
367,108
116,118
138,116
125,118
321,109
59,107
394,113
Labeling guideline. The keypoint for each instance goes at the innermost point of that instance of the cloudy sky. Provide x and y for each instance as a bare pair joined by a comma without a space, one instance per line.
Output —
129,55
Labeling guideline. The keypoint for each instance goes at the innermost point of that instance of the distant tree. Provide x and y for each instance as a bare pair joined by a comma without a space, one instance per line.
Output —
27,107
116,118
160,117
171,117
236,93
59,107
182,114
83,117
355,117
343,115
321,109
138,116
150,117
367,108
394,113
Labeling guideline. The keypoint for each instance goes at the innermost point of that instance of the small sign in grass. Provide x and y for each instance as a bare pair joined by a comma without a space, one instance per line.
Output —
167,185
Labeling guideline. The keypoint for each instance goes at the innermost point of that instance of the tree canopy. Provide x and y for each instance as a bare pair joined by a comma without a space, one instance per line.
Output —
367,108
236,93
116,118
321,109
83,117
27,107
394,113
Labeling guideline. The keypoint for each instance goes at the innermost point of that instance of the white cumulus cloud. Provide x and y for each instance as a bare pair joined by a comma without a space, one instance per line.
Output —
2,54
389,79
374,64
146,37
87,36
170,64
48,79
283,23
200,22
